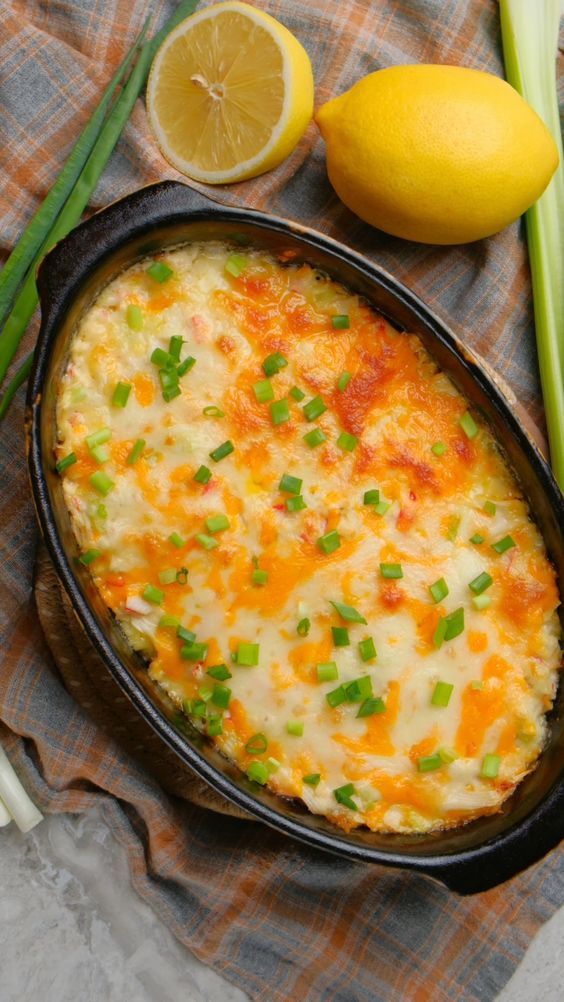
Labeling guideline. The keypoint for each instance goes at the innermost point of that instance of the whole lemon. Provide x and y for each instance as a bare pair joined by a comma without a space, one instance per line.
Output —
438,154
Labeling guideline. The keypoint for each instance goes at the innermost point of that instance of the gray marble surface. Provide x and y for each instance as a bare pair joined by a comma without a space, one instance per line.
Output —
72,929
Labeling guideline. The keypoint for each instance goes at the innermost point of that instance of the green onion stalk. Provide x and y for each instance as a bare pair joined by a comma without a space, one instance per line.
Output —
46,233
530,44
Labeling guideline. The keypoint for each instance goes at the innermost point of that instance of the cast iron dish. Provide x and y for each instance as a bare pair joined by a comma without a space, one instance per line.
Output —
468,859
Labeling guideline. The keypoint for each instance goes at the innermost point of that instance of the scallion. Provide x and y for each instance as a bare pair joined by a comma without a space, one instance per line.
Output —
235,265
98,438
208,542
468,425
259,577
340,321
481,602
504,544
213,412
89,557
217,523
367,649
438,448
477,538
391,571
152,594
348,613
159,272
490,766
136,451
303,627
429,763
336,696
289,484
314,437
168,576
439,590
369,707
247,655
223,450
327,672
359,689
69,460
330,542
202,475
295,728
258,772
279,412
263,391
343,796
101,482
175,347
219,672
134,317
314,409
343,381
340,636
176,540
256,745
194,652
371,497
296,503
297,394
273,364
183,634
480,583
221,696
185,366
490,508
312,779
441,694
214,726
120,395
346,442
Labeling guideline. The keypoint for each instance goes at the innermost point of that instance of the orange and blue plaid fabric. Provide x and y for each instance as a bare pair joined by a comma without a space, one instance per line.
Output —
279,920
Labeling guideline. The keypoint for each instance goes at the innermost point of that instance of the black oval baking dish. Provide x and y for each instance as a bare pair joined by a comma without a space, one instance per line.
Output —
469,859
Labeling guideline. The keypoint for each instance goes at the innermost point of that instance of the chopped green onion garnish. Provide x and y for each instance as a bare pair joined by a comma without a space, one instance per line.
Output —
382,507
217,523
162,359
263,391
176,540
194,652
347,442
447,755
101,482
248,655
371,497
481,602
279,412
313,779
185,366
371,706
439,590
359,689
290,485
336,696
453,527
273,364
175,347
477,539
490,766
202,475
297,394
449,627
439,448
134,317
441,694
168,621
347,613
223,450
219,672
340,321
152,594
428,763
327,672
194,707
136,451
64,463
205,693
296,503
208,542
120,395
314,409
100,454
256,745
258,772
295,727
343,796
170,393
477,684
391,571
221,696
182,576
213,411
490,508
214,726
504,544
314,437
160,271
367,649
168,379
167,576
343,381
303,627
330,542
236,264
273,764
185,634
98,438
259,577
479,584
468,425
340,636
88,557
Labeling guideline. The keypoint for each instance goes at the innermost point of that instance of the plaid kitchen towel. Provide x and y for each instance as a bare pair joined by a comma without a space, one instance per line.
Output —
277,919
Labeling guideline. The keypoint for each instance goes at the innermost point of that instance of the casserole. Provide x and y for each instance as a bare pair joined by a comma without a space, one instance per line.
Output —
468,859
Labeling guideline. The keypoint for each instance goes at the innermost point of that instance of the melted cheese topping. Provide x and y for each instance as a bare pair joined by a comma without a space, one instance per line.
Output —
396,759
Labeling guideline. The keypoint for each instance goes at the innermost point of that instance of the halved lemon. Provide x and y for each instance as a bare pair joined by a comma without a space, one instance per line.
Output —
230,93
